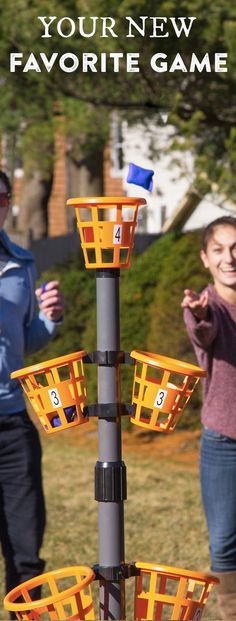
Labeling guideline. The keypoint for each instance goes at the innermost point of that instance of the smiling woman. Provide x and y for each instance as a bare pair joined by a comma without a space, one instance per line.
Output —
210,319
219,256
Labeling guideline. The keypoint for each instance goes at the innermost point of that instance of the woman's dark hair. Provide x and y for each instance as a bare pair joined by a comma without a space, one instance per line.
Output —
4,178
209,230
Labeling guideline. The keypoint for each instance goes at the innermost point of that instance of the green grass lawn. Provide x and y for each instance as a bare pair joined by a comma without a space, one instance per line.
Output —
164,522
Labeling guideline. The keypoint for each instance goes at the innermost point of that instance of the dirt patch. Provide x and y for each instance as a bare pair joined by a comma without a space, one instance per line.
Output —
178,447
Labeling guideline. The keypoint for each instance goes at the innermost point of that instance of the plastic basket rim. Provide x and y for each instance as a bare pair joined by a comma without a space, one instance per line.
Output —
105,201
40,603
169,364
175,571
44,366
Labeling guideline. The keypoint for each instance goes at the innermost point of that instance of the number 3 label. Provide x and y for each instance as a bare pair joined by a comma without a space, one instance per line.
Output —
160,398
117,234
55,398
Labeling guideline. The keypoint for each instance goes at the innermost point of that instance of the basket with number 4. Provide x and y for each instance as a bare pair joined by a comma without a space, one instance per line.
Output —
106,226
161,390
56,391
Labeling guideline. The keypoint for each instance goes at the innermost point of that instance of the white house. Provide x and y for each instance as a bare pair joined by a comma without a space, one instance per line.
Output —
146,145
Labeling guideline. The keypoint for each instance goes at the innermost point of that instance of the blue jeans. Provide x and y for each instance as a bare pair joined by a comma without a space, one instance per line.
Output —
218,482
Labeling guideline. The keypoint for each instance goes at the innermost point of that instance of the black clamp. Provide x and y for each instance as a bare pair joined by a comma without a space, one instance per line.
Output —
115,574
108,410
110,481
108,358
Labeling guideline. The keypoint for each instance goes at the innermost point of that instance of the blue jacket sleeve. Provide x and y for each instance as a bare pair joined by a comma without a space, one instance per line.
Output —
39,330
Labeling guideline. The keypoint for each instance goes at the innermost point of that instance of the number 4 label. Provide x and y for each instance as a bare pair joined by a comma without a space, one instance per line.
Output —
117,234
160,398
54,397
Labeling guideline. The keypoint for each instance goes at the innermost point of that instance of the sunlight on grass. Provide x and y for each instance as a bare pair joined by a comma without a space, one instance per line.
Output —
164,522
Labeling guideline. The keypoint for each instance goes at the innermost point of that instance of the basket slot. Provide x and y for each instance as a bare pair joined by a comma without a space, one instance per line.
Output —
124,255
107,256
26,384
177,379
83,214
39,379
63,373
25,595
90,256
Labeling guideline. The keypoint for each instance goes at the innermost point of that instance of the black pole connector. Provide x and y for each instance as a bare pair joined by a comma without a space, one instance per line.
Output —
108,358
114,574
109,410
110,481
107,272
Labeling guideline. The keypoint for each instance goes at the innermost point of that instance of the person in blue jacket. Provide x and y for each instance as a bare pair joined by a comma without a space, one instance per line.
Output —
24,328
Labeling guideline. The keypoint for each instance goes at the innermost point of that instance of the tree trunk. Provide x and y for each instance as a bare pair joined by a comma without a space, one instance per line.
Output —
183,212
85,178
33,205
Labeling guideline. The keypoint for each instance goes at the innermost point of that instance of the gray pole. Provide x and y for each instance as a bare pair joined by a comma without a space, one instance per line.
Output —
110,467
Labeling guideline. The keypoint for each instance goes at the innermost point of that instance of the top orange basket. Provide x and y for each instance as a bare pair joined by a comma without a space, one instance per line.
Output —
106,226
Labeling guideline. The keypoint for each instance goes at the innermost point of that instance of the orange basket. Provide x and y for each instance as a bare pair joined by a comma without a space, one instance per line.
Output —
56,390
162,388
106,226
68,596
163,592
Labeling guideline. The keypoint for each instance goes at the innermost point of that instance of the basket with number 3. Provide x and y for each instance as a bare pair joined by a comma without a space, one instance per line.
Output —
162,388
56,391
106,226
